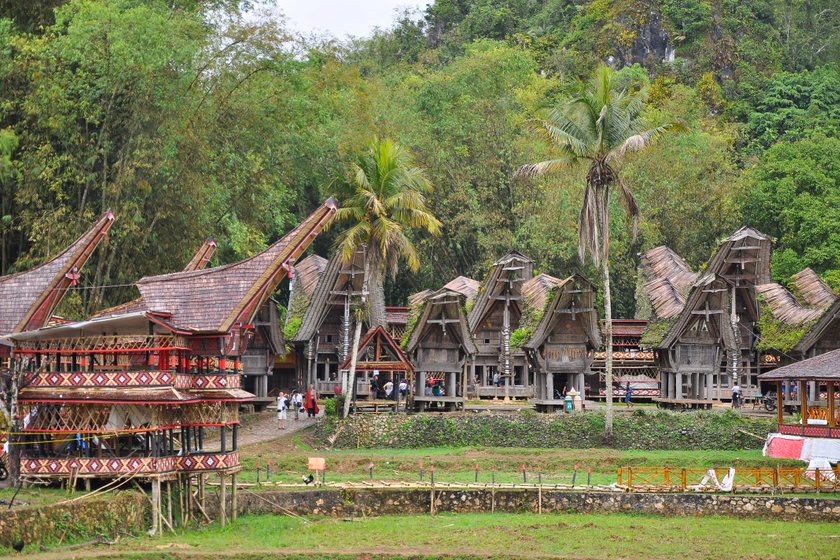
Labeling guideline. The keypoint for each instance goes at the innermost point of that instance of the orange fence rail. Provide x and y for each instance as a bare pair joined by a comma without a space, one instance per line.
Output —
687,478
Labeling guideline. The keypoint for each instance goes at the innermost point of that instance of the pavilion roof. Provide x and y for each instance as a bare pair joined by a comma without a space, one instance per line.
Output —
380,335
29,298
824,366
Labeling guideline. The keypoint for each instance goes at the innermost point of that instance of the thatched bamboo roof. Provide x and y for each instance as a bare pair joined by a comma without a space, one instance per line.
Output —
436,304
308,272
813,290
466,286
554,298
784,306
28,299
339,276
667,281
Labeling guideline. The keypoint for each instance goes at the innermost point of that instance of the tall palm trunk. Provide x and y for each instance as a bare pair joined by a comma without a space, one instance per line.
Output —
351,375
603,219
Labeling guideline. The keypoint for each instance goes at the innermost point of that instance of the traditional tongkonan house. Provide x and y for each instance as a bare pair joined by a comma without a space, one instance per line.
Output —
131,394
441,348
564,323
324,337
495,315
28,299
705,339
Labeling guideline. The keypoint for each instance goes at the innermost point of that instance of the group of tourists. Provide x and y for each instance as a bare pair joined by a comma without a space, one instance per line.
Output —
387,389
299,403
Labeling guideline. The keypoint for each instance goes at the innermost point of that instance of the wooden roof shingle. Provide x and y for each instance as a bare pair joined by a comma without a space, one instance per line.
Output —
214,299
29,298
466,286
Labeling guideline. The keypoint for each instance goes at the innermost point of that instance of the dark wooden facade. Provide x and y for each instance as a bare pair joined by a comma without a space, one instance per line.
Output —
495,314
327,324
561,350
441,347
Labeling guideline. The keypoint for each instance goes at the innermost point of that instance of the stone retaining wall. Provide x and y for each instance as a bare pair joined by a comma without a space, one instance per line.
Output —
349,503
73,521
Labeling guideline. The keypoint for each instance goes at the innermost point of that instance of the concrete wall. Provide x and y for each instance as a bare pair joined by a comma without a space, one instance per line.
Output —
349,503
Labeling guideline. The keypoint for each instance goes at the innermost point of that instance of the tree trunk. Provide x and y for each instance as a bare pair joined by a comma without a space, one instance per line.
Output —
351,375
608,358
603,216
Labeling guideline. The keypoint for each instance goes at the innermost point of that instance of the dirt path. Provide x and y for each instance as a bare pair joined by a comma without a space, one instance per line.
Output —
262,427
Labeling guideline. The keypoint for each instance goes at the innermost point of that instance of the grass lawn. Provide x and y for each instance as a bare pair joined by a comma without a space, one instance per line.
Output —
289,455
492,536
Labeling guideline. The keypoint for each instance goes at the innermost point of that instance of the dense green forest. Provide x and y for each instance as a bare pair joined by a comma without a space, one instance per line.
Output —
198,118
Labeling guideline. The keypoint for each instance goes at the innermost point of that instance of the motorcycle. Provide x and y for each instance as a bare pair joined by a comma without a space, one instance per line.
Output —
770,403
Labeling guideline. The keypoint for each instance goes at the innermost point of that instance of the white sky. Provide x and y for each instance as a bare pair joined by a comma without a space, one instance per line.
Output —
343,17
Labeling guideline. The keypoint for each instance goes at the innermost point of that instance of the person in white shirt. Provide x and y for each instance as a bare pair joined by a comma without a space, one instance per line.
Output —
389,388
736,396
297,403
282,404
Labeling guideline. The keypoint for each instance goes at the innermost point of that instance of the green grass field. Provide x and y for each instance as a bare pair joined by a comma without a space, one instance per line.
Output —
623,536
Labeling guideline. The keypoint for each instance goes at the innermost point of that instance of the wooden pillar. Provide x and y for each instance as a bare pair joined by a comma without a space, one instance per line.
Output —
169,503
803,403
156,524
222,499
710,383
814,391
233,494
678,386
832,421
780,408
549,385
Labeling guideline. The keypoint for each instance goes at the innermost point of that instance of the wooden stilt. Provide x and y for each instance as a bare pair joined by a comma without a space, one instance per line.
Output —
87,485
233,493
222,499
169,503
156,525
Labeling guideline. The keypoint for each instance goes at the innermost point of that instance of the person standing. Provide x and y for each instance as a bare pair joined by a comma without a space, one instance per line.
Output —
282,405
297,403
628,394
403,388
736,396
311,402
389,388
374,387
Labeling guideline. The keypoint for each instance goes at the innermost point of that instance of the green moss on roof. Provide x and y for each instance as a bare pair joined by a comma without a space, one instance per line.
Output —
776,335
655,332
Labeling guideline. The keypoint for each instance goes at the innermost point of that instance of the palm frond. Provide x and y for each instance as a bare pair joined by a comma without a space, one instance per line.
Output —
645,139
588,226
631,205
530,170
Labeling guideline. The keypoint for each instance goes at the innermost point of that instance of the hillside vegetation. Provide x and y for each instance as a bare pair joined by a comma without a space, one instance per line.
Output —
194,118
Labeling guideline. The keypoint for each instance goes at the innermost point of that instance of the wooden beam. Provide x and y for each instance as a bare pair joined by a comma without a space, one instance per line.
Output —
780,408
832,421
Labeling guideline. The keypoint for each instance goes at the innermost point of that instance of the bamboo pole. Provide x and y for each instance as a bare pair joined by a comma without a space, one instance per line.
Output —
222,499
233,494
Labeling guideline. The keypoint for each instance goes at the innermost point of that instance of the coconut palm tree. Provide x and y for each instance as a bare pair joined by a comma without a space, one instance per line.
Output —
382,196
598,127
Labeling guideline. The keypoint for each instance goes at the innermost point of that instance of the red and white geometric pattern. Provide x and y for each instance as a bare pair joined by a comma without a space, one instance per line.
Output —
103,379
112,466
199,381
